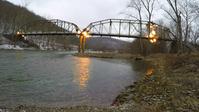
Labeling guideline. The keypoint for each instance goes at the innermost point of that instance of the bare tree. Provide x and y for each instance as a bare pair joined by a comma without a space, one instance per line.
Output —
194,34
149,7
136,5
183,14
189,15
195,29
25,3
139,8
174,8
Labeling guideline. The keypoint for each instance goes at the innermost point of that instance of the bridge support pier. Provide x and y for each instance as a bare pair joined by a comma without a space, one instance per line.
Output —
82,43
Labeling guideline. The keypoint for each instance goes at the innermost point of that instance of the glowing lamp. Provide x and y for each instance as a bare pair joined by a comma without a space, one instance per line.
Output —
18,33
78,32
86,34
153,32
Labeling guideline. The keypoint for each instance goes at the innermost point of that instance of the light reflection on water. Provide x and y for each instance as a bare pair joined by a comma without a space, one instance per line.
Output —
19,55
81,72
149,71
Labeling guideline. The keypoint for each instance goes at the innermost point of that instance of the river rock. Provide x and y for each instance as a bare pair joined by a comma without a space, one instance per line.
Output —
191,68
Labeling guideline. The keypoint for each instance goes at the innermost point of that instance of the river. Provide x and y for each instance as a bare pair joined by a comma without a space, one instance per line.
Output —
44,78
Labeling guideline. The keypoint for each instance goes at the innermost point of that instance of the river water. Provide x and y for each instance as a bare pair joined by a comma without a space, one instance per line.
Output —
41,78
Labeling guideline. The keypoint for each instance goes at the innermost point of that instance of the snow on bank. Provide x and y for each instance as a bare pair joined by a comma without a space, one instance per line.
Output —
10,47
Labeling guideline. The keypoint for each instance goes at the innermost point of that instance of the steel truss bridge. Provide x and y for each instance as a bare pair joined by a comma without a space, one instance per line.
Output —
122,28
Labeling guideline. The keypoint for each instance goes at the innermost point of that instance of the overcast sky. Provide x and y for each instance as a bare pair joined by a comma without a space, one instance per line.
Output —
81,12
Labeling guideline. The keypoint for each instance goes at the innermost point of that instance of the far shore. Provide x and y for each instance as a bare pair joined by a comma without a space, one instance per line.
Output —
111,55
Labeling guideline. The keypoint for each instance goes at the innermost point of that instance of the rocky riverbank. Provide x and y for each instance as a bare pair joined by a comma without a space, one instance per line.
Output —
173,86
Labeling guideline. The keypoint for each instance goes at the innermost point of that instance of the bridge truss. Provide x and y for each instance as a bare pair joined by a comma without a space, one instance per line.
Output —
122,28
49,27
125,28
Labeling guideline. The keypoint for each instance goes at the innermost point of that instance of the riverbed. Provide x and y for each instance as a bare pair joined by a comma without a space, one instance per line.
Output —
57,79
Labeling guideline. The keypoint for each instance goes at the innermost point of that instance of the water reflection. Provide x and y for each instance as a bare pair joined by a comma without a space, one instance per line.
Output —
19,55
82,72
149,72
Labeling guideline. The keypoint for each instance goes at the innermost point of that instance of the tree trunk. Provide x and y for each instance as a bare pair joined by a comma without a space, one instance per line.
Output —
179,34
140,40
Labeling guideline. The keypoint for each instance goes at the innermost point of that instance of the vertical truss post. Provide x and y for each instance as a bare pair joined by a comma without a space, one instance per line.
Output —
110,28
64,27
102,29
69,26
80,44
83,44
120,25
129,28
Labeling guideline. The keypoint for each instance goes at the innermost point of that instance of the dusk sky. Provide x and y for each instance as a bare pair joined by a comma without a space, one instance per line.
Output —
81,12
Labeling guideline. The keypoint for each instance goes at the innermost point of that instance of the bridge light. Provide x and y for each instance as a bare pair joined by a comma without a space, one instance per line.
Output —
151,40
151,36
153,32
152,28
18,33
154,40
86,34
78,32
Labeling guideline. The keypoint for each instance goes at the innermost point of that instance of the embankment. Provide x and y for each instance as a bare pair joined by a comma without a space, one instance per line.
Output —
172,86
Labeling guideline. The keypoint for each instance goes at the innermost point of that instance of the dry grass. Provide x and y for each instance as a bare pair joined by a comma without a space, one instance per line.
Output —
174,86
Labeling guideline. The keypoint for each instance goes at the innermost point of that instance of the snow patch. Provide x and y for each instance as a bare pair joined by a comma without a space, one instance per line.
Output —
10,47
